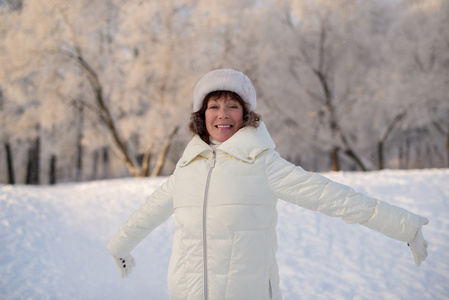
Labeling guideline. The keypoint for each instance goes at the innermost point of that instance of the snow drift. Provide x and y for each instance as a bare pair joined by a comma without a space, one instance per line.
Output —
53,243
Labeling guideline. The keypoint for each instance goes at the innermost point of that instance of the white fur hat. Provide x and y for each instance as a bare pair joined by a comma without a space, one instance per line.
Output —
224,80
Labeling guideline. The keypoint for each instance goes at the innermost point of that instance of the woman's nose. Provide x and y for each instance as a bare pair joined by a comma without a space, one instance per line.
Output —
223,113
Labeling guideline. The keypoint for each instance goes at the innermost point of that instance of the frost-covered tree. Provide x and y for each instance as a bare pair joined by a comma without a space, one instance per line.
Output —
90,71
415,77
104,88
328,55
25,115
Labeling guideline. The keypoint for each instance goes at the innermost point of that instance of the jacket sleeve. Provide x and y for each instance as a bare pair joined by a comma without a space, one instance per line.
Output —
157,208
315,192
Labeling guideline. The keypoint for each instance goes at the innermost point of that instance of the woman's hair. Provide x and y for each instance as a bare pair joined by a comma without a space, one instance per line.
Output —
197,123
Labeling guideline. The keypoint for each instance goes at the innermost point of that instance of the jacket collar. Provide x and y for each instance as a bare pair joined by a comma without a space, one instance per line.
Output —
244,145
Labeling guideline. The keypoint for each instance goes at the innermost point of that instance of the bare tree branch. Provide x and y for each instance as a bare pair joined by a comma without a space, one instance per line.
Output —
104,112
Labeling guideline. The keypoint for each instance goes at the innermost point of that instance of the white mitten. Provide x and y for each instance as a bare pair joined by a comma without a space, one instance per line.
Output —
125,265
419,244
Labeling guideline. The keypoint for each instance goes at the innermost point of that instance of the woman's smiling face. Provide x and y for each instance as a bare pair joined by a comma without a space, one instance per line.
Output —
224,117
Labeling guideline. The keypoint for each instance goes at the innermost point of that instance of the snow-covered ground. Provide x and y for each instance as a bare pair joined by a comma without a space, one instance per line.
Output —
53,243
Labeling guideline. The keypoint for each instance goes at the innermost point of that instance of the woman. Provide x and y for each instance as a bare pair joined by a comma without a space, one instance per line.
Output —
223,195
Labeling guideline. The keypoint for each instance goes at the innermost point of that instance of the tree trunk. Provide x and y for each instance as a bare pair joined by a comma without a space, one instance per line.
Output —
9,162
161,158
53,169
400,156
79,146
79,160
146,158
95,163
407,154
335,160
351,153
32,175
380,155
384,137
105,163
356,159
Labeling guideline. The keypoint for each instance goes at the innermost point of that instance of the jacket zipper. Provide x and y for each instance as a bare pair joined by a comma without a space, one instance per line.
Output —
206,192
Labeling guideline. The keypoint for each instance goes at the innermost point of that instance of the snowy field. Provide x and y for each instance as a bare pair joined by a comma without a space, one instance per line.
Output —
53,243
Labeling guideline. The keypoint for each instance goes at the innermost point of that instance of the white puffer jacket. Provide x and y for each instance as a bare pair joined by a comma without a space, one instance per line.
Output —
224,205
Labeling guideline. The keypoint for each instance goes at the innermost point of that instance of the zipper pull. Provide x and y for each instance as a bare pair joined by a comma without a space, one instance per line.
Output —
212,161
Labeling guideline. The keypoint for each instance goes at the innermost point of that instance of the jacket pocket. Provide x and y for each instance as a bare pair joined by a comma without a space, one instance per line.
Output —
248,264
